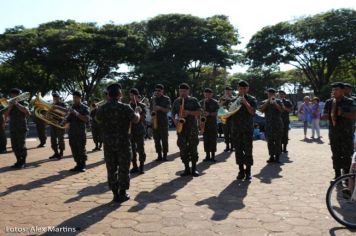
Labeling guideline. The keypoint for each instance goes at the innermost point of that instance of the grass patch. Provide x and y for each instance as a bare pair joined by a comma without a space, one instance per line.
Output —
293,118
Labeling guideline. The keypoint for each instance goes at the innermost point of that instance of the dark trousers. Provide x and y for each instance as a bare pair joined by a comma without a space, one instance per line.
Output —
160,136
57,139
209,137
342,150
3,140
243,143
227,128
138,146
18,143
77,145
41,131
188,146
274,142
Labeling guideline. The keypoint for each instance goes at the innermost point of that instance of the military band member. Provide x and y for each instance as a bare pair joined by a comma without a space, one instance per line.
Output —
242,130
188,139
287,108
210,108
18,113
41,131
340,111
114,118
3,140
227,128
138,133
57,134
78,118
348,93
160,106
95,129
273,108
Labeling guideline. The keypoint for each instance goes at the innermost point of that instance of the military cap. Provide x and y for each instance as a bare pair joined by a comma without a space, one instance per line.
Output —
348,85
243,83
208,90
338,85
228,88
281,91
112,87
54,94
184,86
77,93
159,86
134,91
271,90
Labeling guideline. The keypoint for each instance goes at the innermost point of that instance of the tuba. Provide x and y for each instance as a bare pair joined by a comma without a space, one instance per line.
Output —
224,114
51,114
181,119
203,119
6,103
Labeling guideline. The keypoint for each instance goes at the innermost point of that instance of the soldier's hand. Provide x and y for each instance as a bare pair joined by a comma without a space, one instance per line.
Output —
138,109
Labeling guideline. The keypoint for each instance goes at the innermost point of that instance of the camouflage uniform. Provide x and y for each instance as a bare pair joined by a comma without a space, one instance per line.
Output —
41,130
274,129
285,119
161,133
341,135
95,129
242,133
77,135
114,118
188,139
18,131
138,136
227,128
211,130
57,135
3,141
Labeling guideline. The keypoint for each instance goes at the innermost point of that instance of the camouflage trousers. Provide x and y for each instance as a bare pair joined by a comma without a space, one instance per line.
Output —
18,143
138,146
274,141
188,146
160,136
342,150
285,134
243,143
57,139
77,145
117,161
97,134
210,138
41,132
227,128
3,140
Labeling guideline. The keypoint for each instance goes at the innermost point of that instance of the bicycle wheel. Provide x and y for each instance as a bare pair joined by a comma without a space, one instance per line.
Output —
341,201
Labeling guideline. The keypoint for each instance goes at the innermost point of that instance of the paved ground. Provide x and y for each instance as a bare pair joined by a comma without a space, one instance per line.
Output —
287,199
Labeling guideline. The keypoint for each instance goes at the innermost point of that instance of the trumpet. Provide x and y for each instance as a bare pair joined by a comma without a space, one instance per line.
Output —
203,119
181,119
6,103
154,114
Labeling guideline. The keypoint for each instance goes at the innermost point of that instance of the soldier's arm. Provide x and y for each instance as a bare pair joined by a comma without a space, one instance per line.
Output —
250,107
288,107
165,108
264,106
84,116
23,109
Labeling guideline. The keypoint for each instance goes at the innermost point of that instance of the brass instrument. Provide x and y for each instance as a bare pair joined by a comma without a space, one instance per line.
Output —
154,114
203,118
333,112
224,114
51,114
181,119
6,103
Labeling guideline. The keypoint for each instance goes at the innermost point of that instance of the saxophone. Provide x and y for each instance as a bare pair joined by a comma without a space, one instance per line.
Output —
154,114
181,119
203,118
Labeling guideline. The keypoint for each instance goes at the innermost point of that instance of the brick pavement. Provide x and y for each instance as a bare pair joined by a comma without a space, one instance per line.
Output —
287,199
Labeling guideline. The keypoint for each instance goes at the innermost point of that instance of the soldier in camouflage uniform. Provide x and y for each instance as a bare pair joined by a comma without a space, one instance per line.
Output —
95,129
340,111
57,134
161,105
242,131
138,133
227,128
78,118
3,140
188,138
18,113
287,108
114,118
210,108
348,93
273,108
41,131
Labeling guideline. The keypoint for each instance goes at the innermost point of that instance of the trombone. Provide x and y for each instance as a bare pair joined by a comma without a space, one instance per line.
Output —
6,103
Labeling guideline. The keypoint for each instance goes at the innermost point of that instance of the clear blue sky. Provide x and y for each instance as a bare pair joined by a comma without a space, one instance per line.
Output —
248,16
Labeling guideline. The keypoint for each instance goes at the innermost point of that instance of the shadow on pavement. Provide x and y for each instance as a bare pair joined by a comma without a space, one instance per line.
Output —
333,230
229,200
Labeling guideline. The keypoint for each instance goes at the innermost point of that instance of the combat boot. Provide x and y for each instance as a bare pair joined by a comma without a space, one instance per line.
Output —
186,170
285,148
248,173
55,155
123,195
277,158
241,174
159,157
195,173
207,157
116,195
60,155
82,167
134,168
271,159
213,157
227,148
165,157
141,168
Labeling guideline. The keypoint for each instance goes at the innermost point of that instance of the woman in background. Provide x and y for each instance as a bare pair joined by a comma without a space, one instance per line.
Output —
306,114
316,118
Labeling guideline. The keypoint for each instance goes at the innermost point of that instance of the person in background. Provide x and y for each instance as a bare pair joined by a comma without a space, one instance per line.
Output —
306,114
95,129
3,140
316,118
